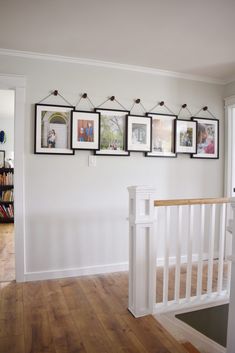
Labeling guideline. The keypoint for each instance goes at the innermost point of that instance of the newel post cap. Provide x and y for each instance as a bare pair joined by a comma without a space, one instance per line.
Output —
141,188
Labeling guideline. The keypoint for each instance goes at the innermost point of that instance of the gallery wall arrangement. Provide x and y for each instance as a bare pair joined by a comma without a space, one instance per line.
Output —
62,129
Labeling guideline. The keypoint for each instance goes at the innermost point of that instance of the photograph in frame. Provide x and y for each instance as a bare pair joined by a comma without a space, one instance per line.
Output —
207,138
53,129
2,159
186,133
85,130
139,133
163,135
113,132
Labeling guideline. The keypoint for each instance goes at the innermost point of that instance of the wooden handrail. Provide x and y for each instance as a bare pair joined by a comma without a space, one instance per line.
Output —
182,202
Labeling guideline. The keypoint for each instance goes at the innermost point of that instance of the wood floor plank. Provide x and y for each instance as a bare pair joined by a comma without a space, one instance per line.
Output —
89,326
115,327
11,299
7,253
13,344
38,336
11,324
66,337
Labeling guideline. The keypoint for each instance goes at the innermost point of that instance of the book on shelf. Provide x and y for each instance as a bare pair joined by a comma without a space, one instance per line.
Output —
6,211
7,178
6,196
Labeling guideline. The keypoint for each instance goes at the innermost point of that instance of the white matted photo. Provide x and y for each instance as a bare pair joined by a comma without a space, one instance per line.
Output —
113,132
163,135
139,130
207,138
186,136
85,130
53,129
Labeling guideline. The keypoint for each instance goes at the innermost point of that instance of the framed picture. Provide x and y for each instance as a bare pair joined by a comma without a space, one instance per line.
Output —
53,129
163,135
186,133
2,159
113,132
207,138
139,131
85,130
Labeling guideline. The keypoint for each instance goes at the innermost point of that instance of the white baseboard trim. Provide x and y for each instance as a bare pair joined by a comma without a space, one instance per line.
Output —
76,272
99,269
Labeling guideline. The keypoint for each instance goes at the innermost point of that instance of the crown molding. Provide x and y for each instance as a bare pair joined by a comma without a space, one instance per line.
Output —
109,64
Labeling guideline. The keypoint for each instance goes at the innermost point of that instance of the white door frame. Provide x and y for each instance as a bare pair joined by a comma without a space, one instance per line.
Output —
18,84
229,147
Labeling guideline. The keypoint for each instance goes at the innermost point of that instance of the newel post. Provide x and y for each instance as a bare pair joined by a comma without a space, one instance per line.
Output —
142,253
231,316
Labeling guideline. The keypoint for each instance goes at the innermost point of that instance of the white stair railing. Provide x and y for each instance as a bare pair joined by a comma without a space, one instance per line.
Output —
208,216
196,221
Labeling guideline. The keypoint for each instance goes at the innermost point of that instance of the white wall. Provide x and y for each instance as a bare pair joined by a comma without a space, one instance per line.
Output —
75,214
7,120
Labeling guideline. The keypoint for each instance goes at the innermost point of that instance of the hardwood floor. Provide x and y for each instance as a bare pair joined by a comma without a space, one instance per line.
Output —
7,253
79,315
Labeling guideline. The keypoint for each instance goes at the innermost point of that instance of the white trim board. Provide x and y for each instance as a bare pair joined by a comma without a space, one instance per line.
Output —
18,83
76,272
109,64
96,270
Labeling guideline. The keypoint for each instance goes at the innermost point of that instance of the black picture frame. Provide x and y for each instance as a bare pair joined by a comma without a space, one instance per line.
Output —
139,145
185,139
82,142
112,150
161,153
45,137
207,138
2,158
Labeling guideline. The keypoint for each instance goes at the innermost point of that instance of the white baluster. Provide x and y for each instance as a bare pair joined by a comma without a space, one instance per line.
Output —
166,256
211,250
189,253
142,251
200,251
221,247
178,253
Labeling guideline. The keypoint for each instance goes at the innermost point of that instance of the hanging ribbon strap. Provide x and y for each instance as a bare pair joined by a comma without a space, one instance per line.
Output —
205,109
138,101
55,93
184,106
84,96
112,98
162,104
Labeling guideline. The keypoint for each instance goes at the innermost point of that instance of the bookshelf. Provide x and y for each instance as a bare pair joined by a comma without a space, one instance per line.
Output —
6,195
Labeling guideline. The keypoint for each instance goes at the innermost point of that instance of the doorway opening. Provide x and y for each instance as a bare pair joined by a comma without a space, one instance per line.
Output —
7,238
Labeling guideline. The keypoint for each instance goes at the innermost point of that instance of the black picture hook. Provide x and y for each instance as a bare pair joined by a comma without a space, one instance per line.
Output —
205,108
112,98
84,95
137,101
161,103
55,92
184,105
